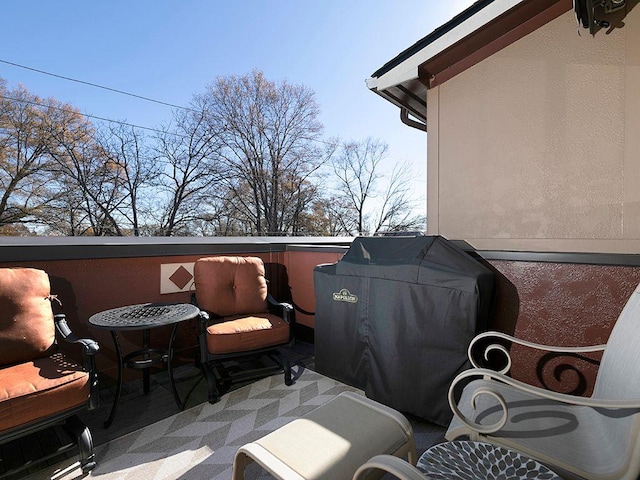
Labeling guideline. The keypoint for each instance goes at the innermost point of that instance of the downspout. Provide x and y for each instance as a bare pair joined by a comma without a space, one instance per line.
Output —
404,118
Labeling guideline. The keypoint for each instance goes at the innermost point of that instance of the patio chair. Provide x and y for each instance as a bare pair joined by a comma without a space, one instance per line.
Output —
40,387
593,438
242,320
459,460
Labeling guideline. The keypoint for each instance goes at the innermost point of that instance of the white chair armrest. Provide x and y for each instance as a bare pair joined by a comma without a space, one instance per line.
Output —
534,391
388,463
492,347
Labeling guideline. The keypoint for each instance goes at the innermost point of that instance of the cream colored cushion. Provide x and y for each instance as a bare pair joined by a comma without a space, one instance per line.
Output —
332,441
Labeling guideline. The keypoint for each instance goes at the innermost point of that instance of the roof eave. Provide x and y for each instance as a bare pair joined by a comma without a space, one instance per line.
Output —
491,26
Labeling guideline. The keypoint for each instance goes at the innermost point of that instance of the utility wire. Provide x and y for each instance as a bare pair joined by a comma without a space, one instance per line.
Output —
116,91
331,144
66,110
30,102
96,85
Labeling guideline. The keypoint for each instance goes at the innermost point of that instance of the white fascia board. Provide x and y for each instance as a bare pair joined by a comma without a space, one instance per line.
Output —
408,70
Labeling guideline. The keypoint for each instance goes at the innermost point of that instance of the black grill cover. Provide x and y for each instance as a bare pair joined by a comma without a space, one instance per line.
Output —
394,317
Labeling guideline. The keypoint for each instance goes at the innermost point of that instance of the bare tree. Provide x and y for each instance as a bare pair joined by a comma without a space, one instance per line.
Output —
126,149
300,212
89,181
319,219
245,158
396,213
191,171
223,217
333,217
363,204
24,163
269,134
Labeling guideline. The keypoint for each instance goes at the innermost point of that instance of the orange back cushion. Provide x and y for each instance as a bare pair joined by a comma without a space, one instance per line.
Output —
26,319
228,286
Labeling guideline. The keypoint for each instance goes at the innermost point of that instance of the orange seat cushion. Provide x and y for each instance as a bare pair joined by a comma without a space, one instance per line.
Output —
244,333
228,286
33,390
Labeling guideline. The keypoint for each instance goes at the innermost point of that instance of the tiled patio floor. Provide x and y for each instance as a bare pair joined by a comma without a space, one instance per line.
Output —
137,410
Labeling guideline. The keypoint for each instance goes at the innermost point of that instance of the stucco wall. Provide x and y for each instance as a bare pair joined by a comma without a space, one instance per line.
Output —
538,147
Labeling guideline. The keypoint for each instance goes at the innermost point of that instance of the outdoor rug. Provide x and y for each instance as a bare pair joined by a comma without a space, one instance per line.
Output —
200,443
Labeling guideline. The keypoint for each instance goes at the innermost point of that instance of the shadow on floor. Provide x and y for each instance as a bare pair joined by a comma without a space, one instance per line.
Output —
137,410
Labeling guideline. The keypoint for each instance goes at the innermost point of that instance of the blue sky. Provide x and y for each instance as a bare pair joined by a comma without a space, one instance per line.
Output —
170,50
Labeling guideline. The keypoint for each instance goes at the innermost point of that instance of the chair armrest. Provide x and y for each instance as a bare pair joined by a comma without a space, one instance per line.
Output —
524,387
498,347
287,308
89,350
203,323
388,463
89,346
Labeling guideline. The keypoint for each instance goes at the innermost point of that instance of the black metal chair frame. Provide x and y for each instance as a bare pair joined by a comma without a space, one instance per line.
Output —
68,419
219,379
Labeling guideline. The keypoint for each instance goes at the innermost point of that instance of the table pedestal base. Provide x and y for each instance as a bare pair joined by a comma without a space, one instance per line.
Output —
143,360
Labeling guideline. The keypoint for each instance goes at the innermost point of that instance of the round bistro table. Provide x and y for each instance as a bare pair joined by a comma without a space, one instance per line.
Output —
143,317
474,460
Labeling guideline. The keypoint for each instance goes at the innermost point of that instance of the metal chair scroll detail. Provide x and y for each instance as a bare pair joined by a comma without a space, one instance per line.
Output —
594,438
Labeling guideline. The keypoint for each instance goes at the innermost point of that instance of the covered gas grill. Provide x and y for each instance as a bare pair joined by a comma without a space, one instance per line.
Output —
394,317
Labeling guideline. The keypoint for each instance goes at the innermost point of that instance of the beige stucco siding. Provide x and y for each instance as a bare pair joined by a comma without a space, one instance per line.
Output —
632,122
538,146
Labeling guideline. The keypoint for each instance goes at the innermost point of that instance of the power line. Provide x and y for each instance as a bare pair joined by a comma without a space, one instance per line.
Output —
30,102
66,110
116,91
122,92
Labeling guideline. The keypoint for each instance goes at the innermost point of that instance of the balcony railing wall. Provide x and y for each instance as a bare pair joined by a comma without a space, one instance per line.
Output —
92,275
558,298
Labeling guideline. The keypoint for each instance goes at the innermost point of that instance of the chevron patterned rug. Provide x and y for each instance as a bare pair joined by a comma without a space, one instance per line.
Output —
200,443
